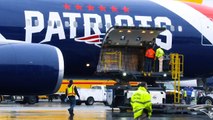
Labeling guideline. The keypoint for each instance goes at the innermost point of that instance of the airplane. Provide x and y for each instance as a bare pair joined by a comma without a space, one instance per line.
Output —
44,41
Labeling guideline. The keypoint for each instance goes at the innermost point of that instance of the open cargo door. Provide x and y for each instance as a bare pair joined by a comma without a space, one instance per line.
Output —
124,48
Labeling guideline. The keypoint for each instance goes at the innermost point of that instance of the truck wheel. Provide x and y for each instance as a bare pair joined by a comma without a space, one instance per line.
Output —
31,99
78,102
90,101
105,103
63,97
208,100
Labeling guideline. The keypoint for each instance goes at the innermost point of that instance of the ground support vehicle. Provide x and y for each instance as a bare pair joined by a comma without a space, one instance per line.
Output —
94,94
84,84
207,96
30,99
202,97
123,58
119,96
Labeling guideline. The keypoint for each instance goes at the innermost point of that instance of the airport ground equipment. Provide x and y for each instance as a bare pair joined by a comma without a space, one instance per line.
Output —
82,84
122,58
204,108
30,99
177,62
205,97
95,93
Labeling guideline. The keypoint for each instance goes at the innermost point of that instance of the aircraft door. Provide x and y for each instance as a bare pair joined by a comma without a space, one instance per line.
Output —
206,31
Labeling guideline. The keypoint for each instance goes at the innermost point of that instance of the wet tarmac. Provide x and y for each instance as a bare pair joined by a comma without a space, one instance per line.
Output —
57,111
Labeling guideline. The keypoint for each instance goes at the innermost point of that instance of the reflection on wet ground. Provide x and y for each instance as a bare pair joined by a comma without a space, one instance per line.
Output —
58,111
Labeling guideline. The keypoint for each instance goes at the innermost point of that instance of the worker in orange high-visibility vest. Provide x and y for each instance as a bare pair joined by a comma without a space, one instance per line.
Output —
149,59
71,92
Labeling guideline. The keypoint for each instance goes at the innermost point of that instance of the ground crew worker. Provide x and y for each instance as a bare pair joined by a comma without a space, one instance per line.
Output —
71,92
159,55
185,95
149,58
141,103
189,94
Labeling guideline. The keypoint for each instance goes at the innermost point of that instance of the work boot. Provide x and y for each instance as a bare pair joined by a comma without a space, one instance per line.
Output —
71,112
71,117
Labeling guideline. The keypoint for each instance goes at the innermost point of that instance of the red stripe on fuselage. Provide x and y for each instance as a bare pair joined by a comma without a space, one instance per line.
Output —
206,10
90,37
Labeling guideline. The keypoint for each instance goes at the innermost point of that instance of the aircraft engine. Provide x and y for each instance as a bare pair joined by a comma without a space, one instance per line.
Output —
30,69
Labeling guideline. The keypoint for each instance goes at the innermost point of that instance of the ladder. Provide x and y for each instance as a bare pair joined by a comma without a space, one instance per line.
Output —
176,62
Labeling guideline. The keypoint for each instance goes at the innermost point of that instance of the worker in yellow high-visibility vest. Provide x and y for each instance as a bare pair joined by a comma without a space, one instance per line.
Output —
141,103
159,55
71,92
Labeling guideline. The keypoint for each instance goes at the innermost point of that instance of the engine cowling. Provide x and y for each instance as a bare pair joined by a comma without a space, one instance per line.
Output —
30,69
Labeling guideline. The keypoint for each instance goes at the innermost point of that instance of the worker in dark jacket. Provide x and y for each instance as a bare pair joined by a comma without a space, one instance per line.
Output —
141,103
189,91
71,92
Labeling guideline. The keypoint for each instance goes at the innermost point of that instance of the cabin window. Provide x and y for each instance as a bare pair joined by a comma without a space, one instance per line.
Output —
28,22
108,25
124,25
49,23
75,24
157,26
58,23
116,24
180,28
67,24
92,25
100,25
36,23
172,28
164,26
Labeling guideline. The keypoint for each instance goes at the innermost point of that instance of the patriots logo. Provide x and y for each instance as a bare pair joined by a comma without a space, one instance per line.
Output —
95,39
